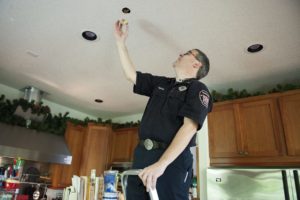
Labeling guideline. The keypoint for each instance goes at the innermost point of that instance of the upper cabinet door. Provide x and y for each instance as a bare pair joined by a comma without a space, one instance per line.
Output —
259,121
290,112
124,142
96,149
224,134
121,145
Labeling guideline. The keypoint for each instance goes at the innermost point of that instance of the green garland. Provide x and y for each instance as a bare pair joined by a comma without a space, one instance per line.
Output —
235,94
56,124
126,125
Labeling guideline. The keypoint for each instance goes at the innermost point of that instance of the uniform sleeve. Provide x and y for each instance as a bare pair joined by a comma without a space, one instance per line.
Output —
145,83
198,103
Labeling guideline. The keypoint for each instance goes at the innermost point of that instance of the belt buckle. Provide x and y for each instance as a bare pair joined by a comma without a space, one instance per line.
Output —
148,144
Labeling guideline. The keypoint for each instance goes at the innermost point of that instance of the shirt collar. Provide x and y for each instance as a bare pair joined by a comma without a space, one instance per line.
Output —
187,80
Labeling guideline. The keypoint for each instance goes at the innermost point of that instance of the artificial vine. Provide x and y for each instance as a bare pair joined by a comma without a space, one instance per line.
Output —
56,124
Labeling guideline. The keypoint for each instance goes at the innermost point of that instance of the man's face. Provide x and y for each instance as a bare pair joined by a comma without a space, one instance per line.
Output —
186,60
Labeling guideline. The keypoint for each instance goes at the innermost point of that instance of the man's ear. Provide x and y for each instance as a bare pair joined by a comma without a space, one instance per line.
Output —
197,64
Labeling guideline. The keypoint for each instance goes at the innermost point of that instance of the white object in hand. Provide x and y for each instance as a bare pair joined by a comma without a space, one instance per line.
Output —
123,21
153,194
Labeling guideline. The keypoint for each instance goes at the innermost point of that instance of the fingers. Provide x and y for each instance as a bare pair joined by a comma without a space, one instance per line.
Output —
143,177
154,180
119,26
121,196
149,180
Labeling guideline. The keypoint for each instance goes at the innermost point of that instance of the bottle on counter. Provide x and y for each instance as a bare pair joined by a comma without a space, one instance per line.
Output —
194,187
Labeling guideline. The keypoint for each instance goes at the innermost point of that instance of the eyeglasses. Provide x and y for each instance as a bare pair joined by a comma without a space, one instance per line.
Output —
190,53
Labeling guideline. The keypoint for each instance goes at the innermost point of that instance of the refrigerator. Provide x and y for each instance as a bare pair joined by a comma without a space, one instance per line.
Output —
252,184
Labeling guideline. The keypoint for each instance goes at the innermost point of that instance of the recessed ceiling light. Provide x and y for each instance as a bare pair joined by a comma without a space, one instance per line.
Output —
126,10
98,100
89,35
255,48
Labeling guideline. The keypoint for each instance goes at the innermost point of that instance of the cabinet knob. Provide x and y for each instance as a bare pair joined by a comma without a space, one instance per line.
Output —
246,153
241,153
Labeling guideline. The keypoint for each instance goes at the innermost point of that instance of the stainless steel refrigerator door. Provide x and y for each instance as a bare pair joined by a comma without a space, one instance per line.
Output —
294,181
245,184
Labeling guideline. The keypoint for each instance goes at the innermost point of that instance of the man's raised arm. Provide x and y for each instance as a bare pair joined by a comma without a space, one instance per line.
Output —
121,33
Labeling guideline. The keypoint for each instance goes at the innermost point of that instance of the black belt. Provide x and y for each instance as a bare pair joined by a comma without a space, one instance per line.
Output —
152,144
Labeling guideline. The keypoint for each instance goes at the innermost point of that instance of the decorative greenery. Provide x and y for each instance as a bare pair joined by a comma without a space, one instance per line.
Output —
126,125
56,124
233,94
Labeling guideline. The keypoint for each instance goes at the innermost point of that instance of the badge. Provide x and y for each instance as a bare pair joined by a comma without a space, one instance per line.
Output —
148,144
204,98
182,88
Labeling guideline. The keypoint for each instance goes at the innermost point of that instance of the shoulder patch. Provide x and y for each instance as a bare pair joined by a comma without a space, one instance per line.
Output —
204,98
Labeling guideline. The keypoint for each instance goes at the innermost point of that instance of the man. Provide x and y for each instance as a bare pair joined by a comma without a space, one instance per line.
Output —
175,111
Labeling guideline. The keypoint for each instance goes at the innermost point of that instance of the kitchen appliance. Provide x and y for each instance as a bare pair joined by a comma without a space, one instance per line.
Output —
253,184
16,141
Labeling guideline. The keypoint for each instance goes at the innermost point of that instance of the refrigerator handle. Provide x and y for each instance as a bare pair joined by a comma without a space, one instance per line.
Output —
285,185
296,179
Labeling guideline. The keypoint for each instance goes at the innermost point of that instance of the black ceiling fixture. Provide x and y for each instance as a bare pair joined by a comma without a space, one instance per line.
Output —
98,100
126,10
255,48
89,35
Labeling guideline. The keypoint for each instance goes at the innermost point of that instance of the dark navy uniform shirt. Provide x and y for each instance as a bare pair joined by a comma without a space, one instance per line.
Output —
169,102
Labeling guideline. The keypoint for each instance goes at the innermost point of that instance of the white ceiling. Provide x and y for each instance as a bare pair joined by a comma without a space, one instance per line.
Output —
41,45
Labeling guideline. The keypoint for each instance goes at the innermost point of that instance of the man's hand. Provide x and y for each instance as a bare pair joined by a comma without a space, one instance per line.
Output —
121,30
150,174
120,196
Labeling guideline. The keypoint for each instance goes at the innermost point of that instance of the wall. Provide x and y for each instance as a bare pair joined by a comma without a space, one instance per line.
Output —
128,118
202,141
11,93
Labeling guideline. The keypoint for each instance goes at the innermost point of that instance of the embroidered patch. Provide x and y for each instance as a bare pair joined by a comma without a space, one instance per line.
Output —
204,98
182,88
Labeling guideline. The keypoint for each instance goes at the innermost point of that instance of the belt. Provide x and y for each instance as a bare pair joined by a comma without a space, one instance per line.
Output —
152,144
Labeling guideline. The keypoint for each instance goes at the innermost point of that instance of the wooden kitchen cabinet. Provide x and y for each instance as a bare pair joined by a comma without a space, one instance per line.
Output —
259,126
124,141
90,148
96,149
224,137
61,174
290,114
256,131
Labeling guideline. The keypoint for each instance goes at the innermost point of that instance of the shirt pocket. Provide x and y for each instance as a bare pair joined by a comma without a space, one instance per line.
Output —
175,101
159,92
158,99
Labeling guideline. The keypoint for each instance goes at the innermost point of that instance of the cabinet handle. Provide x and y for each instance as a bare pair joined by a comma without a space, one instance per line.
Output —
241,153
246,153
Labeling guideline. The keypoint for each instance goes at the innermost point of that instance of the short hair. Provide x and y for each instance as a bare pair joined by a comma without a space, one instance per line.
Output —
204,69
